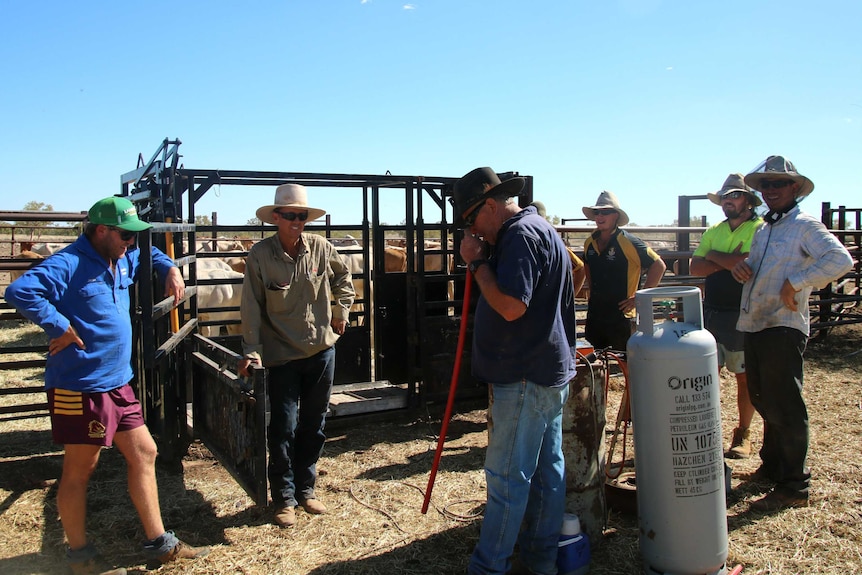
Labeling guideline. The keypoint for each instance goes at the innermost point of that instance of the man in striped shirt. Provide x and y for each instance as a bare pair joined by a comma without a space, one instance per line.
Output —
790,256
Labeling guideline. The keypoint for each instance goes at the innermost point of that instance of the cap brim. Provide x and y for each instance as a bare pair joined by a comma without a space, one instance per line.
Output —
134,226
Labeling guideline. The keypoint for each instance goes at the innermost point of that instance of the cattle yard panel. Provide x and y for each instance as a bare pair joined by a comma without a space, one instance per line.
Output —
400,348
228,414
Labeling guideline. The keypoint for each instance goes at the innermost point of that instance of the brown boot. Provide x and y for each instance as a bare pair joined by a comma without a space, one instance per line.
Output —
314,506
285,517
740,447
93,566
87,561
183,551
776,500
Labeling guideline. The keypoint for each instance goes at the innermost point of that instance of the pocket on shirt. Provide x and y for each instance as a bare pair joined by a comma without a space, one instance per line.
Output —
96,299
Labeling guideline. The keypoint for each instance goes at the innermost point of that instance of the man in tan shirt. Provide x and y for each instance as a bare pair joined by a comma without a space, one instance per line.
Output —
290,326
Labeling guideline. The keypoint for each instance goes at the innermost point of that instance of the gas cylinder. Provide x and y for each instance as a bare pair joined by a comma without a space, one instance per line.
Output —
676,417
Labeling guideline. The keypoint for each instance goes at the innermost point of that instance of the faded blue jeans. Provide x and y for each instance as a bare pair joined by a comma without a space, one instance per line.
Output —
525,473
299,394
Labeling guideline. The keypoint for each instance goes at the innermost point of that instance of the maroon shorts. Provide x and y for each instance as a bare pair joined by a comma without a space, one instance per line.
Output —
93,418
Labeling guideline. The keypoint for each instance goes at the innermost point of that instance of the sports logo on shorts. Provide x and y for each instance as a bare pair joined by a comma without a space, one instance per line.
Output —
96,430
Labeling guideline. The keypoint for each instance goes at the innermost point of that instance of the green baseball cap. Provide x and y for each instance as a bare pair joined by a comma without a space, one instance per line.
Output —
117,212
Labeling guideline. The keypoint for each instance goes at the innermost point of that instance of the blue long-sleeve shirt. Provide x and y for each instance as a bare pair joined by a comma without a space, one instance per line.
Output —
76,287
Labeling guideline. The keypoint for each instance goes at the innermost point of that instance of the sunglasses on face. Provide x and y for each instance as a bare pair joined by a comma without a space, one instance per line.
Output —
775,184
732,195
290,216
604,212
470,218
125,235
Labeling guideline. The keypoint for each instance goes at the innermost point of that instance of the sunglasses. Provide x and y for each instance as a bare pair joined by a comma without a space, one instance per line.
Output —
470,218
775,184
125,235
733,195
604,212
290,216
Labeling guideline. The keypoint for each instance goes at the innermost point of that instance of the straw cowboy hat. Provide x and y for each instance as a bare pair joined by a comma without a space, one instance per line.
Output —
734,183
607,201
778,168
478,185
288,196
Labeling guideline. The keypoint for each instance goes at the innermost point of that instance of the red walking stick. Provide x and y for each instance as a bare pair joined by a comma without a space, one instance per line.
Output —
452,387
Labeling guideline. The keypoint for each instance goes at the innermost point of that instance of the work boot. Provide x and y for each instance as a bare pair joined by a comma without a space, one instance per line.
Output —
776,500
285,517
314,506
166,548
740,447
93,567
183,551
87,561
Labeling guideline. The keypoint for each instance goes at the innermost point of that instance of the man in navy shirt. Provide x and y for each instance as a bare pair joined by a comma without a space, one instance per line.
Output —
80,297
523,348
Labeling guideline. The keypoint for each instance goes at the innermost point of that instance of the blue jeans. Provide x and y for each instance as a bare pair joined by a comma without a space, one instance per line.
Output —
299,397
525,473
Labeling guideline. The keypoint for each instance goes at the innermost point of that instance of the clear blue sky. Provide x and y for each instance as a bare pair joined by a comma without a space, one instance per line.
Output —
648,98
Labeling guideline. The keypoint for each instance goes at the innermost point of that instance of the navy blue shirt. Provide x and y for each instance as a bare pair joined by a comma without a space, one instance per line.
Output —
532,265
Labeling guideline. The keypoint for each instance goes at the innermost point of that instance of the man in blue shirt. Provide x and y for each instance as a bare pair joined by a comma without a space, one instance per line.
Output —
80,297
523,348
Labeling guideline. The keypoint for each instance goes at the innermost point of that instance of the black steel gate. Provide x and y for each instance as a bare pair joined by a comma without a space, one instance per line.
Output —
397,354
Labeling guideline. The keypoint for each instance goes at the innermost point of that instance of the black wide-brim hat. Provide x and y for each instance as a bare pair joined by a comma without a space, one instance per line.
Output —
478,185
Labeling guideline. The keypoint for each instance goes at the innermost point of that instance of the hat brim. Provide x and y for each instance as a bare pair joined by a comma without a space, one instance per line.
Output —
806,186
590,213
133,226
715,197
510,187
265,213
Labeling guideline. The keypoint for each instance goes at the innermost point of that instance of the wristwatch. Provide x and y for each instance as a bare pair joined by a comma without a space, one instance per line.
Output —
476,264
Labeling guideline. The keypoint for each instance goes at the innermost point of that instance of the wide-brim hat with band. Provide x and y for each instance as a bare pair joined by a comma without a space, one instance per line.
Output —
777,168
289,196
733,183
607,201
478,185
117,212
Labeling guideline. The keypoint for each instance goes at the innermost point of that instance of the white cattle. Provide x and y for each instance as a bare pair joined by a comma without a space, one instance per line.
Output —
25,255
236,263
219,296
225,245
46,249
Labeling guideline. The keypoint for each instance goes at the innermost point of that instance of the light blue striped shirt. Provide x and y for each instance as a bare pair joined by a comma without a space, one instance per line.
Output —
798,248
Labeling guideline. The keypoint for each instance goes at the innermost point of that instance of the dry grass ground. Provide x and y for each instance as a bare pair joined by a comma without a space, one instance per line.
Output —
373,477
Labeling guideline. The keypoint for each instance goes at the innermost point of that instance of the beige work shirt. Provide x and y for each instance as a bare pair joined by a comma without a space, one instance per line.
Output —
287,305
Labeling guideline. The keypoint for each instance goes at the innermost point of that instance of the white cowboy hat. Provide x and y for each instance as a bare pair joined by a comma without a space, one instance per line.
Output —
776,168
607,201
733,183
289,196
